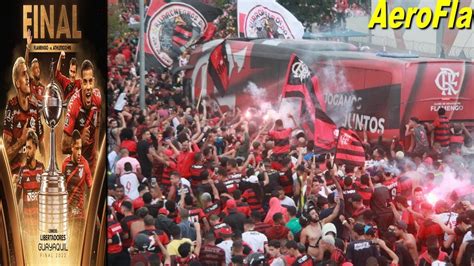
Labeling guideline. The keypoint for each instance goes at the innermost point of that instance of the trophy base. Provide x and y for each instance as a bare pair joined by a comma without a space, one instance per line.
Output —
53,205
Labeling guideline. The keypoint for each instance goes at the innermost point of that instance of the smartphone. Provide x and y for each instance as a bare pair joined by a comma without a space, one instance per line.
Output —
153,182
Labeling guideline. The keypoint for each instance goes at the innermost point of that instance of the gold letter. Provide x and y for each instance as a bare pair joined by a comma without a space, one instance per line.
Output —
397,16
35,21
63,24
440,13
76,34
379,16
48,20
26,20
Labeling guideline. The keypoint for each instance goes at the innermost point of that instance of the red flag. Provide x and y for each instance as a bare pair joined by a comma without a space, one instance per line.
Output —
349,149
218,68
302,83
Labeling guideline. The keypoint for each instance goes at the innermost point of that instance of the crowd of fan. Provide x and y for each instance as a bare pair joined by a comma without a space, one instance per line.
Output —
193,185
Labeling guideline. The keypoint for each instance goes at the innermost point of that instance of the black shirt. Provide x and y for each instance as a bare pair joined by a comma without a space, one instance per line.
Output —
404,257
380,199
235,220
360,250
145,164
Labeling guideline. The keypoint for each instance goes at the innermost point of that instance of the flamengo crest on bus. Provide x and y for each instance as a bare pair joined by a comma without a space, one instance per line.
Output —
447,81
262,22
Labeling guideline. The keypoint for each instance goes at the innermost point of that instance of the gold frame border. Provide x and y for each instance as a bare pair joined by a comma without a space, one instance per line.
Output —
90,238
13,212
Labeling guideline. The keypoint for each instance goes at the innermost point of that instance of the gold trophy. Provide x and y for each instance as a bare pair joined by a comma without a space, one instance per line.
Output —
53,212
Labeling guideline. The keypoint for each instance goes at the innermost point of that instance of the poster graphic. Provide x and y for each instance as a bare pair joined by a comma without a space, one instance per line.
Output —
51,117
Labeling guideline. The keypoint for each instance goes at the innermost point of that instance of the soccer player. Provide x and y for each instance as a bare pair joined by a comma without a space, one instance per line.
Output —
69,85
83,114
37,88
29,177
78,175
21,114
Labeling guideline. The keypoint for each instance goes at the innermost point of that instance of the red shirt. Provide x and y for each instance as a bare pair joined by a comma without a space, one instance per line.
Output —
196,215
185,160
37,89
282,140
77,117
277,232
78,175
69,88
131,146
113,229
429,228
215,208
138,203
392,185
14,121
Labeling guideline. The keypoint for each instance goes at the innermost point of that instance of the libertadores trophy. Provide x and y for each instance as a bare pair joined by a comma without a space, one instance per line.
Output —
53,209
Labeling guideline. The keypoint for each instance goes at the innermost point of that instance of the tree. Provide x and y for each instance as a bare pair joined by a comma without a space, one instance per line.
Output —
308,11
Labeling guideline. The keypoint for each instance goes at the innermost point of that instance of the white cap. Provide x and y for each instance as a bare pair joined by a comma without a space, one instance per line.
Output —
399,155
329,239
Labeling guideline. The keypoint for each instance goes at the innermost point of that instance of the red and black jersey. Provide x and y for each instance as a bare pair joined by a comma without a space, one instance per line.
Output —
117,204
441,131
113,232
455,142
232,182
78,117
196,215
78,175
211,255
126,224
165,177
29,182
392,185
69,87
262,227
13,123
348,194
196,170
218,229
250,197
365,192
215,208
281,139
37,90
286,181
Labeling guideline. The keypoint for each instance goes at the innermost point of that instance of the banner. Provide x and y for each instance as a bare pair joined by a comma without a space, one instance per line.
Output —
301,83
218,68
172,28
267,19
349,150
